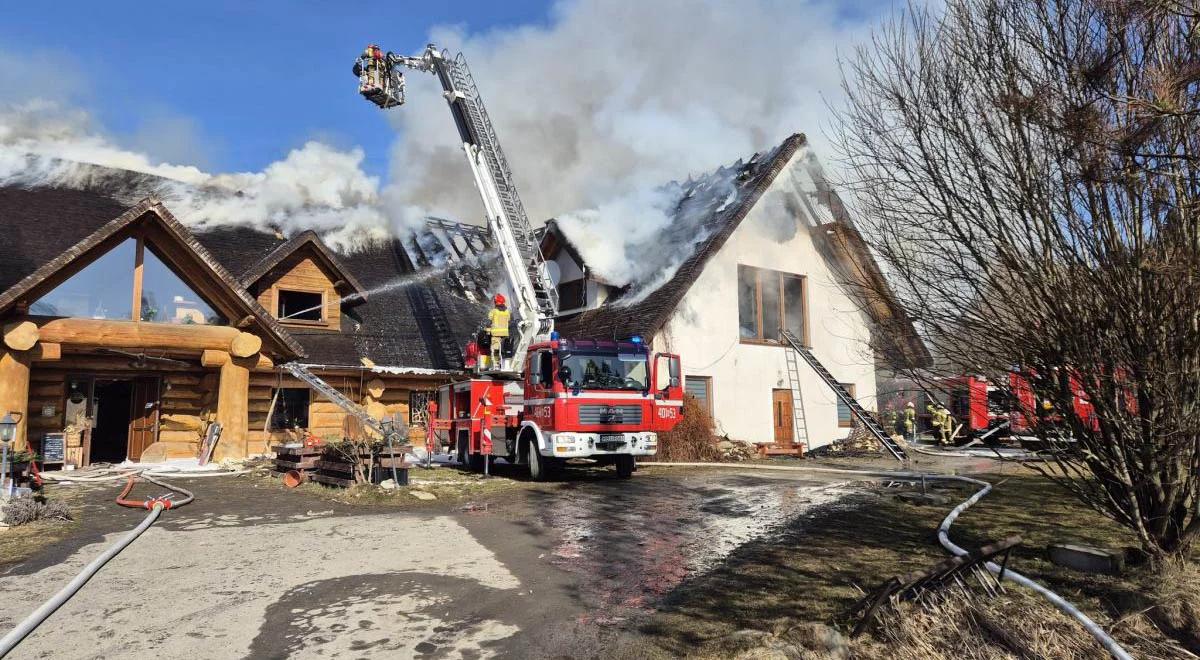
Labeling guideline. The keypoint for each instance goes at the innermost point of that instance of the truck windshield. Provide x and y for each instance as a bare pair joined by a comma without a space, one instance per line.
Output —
606,371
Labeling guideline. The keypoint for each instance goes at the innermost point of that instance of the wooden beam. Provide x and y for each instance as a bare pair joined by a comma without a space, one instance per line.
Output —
128,334
46,352
14,391
138,262
232,413
20,335
214,358
245,321
245,345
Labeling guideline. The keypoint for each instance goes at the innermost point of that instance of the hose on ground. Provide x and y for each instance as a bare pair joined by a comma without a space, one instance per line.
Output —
156,507
1059,602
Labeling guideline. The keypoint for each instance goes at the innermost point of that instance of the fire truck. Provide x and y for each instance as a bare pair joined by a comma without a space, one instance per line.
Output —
988,411
550,399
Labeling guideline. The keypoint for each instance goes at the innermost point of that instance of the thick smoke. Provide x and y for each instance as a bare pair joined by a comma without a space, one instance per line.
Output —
314,187
597,108
611,100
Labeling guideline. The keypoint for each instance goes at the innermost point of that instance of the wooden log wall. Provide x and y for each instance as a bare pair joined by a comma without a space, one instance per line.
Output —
326,419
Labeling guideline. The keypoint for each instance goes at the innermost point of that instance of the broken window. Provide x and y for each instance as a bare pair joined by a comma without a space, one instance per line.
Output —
418,405
769,300
301,306
291,408
572,295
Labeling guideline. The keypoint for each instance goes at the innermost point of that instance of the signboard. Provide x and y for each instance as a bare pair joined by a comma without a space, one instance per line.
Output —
54,448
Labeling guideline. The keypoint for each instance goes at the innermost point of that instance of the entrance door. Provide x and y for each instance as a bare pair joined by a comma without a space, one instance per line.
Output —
143,416
781,410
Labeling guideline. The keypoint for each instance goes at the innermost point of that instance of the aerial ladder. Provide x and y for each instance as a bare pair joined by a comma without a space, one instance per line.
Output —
381,81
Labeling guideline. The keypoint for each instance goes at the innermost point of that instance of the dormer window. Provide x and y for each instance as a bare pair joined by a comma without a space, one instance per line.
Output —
301,306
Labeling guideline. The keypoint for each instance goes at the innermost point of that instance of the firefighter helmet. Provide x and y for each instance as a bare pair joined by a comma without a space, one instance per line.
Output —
499,299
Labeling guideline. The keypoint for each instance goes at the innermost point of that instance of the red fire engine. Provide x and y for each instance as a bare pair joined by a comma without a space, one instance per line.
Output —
548,399
986,410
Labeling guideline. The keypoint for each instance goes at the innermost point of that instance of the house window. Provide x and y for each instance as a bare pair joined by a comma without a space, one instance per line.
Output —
418,405
107,289
845,417
167,299
291,408
700,388
769,300
301,306
572,295
102,290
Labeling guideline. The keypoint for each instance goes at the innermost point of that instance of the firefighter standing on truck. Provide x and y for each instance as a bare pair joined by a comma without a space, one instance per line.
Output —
498,328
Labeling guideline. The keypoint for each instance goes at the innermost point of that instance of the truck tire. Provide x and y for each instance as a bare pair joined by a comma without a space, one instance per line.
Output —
625,466
464,451
539,466
477,462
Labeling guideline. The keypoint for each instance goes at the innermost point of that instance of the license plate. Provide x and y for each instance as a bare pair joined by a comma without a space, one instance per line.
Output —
610,442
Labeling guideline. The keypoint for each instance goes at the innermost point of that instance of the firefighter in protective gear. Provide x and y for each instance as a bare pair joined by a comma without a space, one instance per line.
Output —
910,421
498,328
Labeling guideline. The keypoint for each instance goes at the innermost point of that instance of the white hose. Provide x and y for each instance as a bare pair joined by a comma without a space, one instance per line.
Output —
67,478
14,637
1092,627
1096,631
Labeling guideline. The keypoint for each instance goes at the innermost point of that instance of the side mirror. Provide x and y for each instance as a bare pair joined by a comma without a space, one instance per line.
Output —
674,382
564,374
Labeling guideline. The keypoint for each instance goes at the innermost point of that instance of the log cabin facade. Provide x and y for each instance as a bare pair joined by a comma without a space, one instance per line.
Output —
128,332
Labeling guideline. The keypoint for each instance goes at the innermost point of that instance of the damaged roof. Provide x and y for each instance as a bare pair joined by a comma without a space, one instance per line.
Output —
720,215
398,317
713,214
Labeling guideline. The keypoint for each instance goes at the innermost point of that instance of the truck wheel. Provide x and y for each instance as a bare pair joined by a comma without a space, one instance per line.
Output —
539,467
625,466
477,461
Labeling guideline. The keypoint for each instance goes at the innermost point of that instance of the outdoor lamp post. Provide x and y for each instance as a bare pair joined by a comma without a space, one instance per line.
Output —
8,431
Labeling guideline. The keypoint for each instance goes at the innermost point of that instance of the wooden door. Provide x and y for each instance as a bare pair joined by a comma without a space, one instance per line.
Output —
143,416
781,410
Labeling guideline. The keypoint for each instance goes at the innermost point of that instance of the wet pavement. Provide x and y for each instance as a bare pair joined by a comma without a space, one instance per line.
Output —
564,570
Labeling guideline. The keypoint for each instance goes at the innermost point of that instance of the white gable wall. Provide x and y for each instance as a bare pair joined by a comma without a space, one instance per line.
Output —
776,234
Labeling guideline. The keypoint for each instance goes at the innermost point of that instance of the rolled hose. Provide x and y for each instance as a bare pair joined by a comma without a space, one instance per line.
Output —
155,505
1061,603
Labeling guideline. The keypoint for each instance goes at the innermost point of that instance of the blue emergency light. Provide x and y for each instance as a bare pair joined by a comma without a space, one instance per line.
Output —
554,335
637,339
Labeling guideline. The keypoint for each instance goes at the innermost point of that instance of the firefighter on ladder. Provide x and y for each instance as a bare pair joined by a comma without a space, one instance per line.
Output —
498,320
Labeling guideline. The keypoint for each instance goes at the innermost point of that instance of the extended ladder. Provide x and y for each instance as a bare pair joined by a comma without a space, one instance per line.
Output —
480,125
386,429
844,396
801,424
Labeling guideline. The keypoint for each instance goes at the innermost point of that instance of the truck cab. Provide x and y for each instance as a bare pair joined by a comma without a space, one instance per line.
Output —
598,399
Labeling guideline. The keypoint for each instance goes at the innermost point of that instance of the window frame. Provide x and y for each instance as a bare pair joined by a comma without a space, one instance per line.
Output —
779,276
849,424
322,322
708,390
271,426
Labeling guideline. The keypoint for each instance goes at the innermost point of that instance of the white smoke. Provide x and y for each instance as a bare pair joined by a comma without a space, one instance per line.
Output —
612,99
314,187
597,108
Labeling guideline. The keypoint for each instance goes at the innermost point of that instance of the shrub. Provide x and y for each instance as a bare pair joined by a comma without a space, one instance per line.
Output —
27,509
693,439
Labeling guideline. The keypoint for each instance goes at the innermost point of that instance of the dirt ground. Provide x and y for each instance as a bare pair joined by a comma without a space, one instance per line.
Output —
524,570
590,567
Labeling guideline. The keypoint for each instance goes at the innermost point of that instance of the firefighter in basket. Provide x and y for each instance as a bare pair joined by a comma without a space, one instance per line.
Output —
370,70
498,320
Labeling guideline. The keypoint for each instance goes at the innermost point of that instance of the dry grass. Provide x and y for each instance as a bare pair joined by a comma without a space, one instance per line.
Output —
820,565
23,541
693,439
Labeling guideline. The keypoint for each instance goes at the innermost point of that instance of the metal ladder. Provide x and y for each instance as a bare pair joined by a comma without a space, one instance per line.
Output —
855,408
489,146
386,430
798,420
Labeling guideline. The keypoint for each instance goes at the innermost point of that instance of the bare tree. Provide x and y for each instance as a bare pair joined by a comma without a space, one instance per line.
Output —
1028,172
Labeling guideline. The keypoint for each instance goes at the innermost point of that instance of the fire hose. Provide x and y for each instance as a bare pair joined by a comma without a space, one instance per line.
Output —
1111,645
156,506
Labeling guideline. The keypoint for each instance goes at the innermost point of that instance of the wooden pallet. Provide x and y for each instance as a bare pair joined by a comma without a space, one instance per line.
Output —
301,459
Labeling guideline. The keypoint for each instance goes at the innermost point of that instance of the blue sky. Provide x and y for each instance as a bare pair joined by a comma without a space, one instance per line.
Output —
234,84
